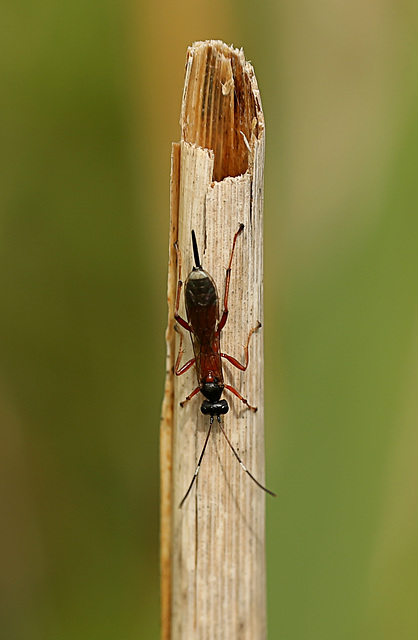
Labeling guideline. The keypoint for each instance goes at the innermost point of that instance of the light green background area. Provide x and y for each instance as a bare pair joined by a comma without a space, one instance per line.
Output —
90,105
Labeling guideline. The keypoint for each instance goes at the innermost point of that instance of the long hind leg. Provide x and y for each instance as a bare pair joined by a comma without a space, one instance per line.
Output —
227,281
233,360
177,369
180,370
178,317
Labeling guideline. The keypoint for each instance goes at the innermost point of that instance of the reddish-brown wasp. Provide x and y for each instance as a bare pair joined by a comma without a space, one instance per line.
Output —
204,326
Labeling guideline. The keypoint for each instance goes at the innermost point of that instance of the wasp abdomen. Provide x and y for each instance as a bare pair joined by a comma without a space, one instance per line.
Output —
200,290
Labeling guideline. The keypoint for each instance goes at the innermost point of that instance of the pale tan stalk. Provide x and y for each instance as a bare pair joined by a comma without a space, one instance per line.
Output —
213,549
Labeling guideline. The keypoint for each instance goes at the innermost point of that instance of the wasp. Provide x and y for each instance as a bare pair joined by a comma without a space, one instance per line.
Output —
204,326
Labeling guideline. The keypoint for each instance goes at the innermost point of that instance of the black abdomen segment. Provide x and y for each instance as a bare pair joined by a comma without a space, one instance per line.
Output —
200,291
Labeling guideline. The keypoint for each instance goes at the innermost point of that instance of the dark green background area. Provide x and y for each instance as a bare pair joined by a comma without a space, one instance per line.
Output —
90,105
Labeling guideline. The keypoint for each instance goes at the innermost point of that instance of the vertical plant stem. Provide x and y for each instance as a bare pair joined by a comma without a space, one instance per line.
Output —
213,550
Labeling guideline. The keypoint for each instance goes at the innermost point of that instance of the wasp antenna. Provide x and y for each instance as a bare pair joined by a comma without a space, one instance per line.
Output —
241,462
195,251
198,464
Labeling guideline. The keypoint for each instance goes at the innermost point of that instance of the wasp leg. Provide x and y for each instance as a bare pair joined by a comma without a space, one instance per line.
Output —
192,395
233,360
224,318
179,319
237,393
177,369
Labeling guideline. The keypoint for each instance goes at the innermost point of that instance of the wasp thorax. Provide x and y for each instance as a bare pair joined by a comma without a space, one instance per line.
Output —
212,390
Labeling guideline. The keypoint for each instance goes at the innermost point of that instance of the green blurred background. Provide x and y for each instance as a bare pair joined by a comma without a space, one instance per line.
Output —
90,105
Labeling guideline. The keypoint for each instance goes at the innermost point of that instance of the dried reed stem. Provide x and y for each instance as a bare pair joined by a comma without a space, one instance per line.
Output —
213,550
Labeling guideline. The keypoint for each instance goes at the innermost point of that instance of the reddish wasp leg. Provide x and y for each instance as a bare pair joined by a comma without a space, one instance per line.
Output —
179,319
185,367
177,369
186,326
224,318
237,393
233,360
192,395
